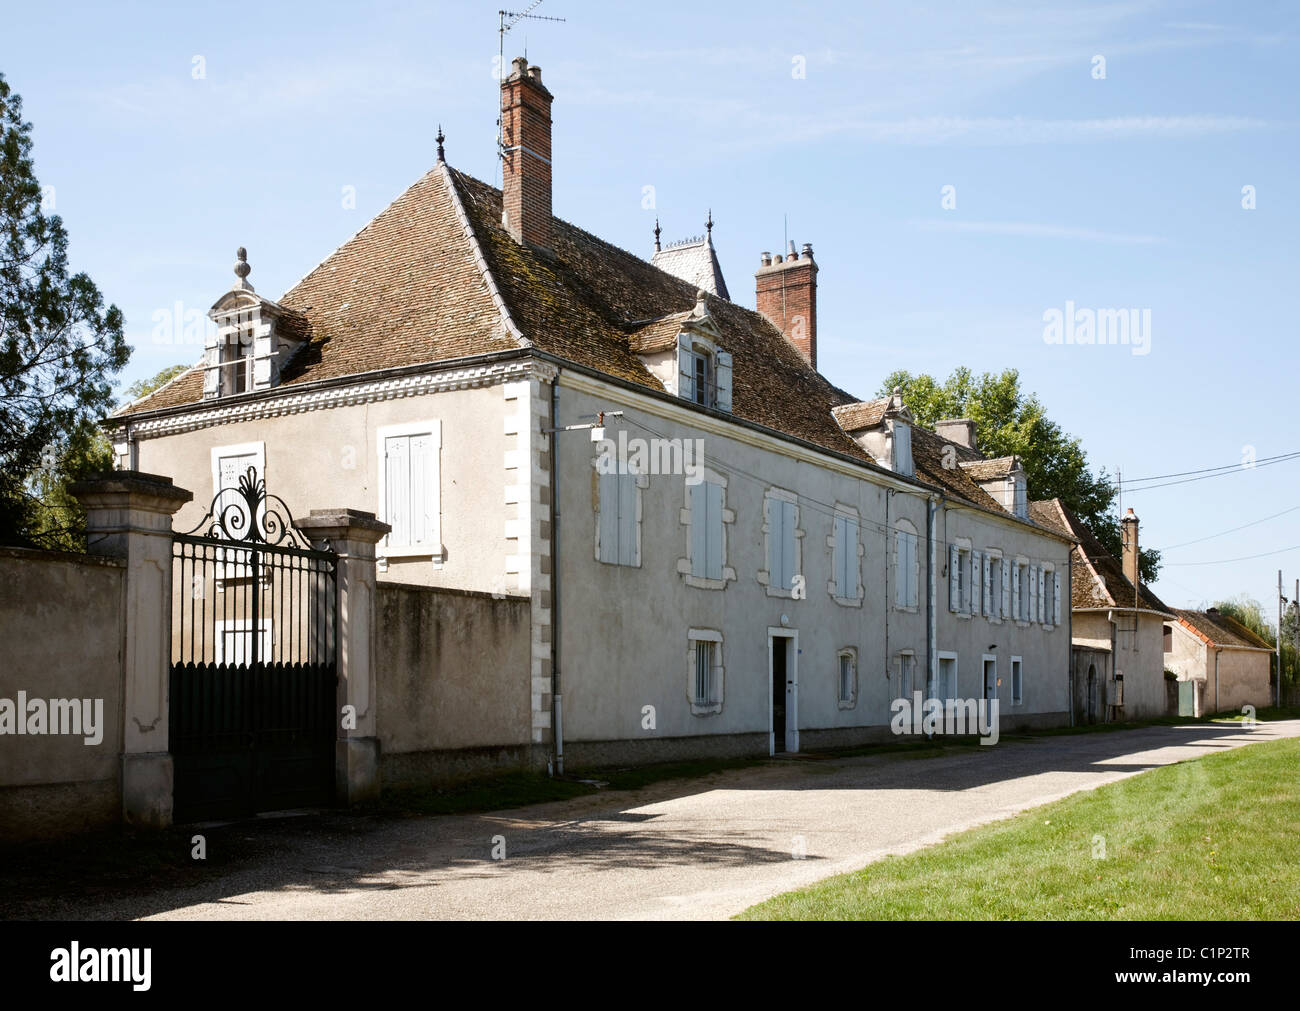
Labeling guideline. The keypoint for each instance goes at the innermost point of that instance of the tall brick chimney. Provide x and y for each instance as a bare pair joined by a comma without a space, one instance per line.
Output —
787,295
1129,540
526,155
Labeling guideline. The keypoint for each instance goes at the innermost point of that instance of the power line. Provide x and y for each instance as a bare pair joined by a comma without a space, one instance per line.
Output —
1211,537
1206,470
1235,469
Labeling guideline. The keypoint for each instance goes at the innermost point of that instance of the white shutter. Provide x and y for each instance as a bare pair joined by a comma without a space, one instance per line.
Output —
424,494
851,558
988,586
954,560
1008,608
1038,594
789,521
714,530
1016,582
772,513
397,461
608,518
724,381
976,566
900,580
1056,598
685,370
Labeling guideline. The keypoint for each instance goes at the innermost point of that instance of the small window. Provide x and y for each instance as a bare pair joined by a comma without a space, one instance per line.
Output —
906,674
1017,681
781,516
1169,639
947,687
703,673
959,579
848,677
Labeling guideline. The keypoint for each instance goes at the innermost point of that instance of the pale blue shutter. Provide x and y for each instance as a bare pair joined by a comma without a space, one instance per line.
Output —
714,529
1040,603
724,381
988,586
850,585
954,563
397,461
609,546
1056,598
976,566
1005,568
772,508
699,528
627,519
789,520
685,371
838,551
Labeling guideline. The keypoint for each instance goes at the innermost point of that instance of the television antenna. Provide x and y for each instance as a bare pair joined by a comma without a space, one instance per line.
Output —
503,27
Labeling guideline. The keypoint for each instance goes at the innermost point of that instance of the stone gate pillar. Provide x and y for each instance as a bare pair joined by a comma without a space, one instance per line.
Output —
353,535
129,516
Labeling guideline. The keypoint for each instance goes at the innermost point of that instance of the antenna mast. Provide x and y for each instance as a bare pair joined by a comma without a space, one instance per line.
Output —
503,27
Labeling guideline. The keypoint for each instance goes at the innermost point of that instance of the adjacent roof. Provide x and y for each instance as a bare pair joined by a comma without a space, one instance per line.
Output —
696,262
1216,629
990,470
862,414
1097,577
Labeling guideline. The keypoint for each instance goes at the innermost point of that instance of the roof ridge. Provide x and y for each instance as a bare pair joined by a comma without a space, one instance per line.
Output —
507,320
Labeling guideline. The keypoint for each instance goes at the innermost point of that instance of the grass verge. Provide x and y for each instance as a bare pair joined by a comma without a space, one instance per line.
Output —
1208,839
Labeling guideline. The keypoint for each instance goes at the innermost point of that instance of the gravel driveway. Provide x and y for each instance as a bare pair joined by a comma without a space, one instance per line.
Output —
697,849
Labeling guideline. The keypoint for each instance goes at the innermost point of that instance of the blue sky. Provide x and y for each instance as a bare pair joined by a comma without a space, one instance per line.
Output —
1114,192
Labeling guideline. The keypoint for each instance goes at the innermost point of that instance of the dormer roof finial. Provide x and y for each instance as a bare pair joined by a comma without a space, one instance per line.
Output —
708,225
657,231
440,138
242,269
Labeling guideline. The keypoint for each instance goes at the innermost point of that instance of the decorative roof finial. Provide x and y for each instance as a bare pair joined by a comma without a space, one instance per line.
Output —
657,231
242,269
708,225
440,138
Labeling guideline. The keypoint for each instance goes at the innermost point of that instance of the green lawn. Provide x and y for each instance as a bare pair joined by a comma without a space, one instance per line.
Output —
1208,839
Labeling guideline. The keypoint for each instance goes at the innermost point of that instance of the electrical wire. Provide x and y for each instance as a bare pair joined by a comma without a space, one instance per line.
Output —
1222,533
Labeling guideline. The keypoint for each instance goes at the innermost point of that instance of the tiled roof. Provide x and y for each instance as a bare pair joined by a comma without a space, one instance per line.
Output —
695,263
405,290
657,335
989,470
1097,577
930,461
1217,629
861,414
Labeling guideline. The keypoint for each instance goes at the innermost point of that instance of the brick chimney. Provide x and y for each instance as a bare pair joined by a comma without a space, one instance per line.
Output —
526,155
1129,540
787,295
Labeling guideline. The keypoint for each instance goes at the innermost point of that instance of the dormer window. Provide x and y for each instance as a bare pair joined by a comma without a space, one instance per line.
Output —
704,386
248,348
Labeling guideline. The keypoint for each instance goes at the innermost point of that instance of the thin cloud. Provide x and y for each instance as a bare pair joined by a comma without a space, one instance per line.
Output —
1029,230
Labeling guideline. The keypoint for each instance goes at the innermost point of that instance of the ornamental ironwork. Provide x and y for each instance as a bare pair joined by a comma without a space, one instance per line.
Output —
248,514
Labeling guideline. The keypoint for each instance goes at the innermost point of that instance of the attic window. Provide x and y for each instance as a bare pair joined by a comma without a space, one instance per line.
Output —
704,386
237,359
703,374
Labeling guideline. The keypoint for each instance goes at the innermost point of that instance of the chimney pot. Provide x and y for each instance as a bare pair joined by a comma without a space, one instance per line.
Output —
778,258
766,259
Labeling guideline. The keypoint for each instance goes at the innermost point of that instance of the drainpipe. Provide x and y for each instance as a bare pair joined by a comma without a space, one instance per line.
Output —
1217,651
1069,627
931,602
889,535
1114,650
558,698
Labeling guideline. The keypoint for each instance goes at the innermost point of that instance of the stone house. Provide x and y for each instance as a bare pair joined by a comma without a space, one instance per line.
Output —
717,550
1117,653
1227,662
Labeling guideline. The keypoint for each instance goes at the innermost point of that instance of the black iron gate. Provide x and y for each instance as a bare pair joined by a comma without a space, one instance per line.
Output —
253,677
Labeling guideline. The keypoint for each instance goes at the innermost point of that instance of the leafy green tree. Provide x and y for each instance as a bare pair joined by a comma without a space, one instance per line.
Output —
59,345
143,387
1250,612
1009,421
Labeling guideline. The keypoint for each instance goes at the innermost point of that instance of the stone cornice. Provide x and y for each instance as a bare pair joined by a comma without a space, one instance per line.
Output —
364,389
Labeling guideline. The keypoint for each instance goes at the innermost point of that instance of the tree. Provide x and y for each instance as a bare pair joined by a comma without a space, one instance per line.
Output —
59,345
1010,422
143,387
1250,612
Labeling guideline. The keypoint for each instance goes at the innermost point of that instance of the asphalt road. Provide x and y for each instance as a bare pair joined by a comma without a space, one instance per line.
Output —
698,849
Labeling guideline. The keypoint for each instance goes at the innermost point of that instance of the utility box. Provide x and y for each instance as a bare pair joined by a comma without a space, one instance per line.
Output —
1116,693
